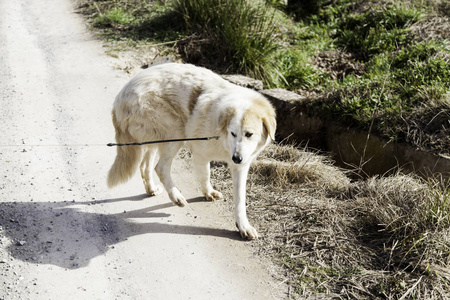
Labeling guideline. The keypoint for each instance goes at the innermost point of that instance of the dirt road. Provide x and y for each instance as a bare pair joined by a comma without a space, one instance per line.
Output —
63,234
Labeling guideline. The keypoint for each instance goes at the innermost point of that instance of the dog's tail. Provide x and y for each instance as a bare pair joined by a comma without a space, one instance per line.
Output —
127,157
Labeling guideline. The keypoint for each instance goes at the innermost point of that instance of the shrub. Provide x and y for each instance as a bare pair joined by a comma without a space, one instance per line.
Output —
238,36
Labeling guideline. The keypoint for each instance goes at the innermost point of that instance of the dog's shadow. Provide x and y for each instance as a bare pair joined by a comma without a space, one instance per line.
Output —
62,234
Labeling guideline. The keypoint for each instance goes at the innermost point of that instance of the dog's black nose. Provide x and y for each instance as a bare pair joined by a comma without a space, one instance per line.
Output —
237,159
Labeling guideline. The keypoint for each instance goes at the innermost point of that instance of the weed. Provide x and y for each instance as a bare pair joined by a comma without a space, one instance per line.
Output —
377,32
239,33
420,69
114,16
298,72
135,20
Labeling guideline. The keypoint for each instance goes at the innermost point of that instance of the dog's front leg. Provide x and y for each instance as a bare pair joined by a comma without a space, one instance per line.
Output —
239,174
202,168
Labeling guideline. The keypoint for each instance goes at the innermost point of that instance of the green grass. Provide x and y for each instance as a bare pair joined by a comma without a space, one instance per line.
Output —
298,72
402,75
135,20
114,16
391,90
376,32
240,33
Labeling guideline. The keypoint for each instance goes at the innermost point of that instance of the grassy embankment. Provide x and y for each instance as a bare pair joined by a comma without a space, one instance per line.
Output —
378,65
382,65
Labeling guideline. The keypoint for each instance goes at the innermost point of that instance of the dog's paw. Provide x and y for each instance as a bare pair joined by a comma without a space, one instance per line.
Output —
177,198
213,195
154,190
247,232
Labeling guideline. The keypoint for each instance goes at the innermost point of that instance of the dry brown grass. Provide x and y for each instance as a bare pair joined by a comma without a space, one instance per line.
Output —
286,166
382,238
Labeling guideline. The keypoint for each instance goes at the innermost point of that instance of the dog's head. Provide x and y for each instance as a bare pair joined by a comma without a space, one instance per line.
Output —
247,131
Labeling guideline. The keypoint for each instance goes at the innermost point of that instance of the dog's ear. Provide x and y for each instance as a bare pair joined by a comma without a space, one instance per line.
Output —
225,119
270,124
264,109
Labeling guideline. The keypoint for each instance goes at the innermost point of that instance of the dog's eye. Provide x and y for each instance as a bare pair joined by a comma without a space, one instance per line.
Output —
233,134
248,134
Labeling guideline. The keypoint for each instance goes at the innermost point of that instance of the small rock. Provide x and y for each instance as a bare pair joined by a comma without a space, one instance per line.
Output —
21,243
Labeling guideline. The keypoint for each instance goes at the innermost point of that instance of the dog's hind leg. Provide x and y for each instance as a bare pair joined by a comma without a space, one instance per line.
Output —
163,169
202,168
147,166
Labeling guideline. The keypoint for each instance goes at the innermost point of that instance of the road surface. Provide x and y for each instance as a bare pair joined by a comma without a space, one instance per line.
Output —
63,234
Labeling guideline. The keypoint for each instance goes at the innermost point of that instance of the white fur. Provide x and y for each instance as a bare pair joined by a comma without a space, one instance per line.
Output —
174,101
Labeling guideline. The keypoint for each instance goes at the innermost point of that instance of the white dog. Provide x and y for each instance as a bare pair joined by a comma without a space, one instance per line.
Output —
175,101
